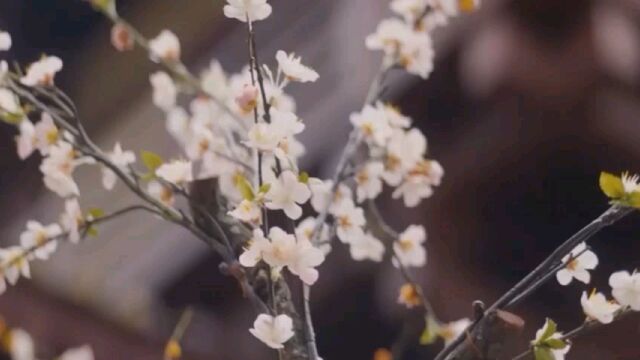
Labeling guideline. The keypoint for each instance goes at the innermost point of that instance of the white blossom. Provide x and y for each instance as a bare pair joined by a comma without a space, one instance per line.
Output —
286,193
58,168
120,159
214,80
47,134
254,10
410,10
579,262
160,192
247,211
368,180
409,248
305,231
5,41
14,263
320,193
626,289
450,331
597,307
21,346
42,72
394,116
177,172
293,69
373,124
419,181
366,247
164,90
273,331
38,238
79,353
72,219
349,221
281,250
9,102
264,137
247,100
630,183
165,47
26,141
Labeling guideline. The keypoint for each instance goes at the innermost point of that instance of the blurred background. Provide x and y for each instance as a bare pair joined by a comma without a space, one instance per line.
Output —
529,101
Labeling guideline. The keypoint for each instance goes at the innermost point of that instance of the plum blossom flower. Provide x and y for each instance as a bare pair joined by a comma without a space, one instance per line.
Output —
119,158
305,232
177,172
320,193
21,346
47,134
409,249
165,47
394,116
626,289
410,10
58,169
273,331
161,192
38,237
42,72
247,211
254,10
286,193
391,34
26,141
164,90
597,307
9,103
366,247
79,353
404,150
293,69
369,182
450,331
419,181
5,41
247,100
263,137
579,261
14,263
72,219
349,221
283,250
373,124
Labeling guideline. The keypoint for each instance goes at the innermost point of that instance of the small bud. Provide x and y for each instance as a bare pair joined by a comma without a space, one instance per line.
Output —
172,351
248,98
409,296
468,5
121,38
382,354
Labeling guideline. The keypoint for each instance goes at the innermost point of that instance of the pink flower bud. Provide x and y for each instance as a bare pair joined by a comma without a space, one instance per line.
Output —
121,38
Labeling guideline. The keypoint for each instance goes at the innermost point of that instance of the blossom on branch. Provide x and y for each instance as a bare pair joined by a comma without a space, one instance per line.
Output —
373,124
14,263
42,72
349,220
286,193
626,289
366,247
368,180
578,262
623,190
58,169
253,10
293,69
177,172
164,90
119,158
409,248
165,47
597,307
38,238
72,219
273,331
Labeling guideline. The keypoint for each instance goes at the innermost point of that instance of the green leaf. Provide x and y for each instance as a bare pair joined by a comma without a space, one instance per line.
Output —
303,177
431,331
243,185
265,188
555,343
634,199
151,160
96,213
543,353
92,231
11,118
550,328
611,185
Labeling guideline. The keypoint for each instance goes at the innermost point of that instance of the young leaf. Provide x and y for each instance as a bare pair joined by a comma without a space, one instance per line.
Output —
96,213
543,353
550,328
151,160
92,231
611,185
430,333
555,343
265,188
242,184
303,177
634,199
